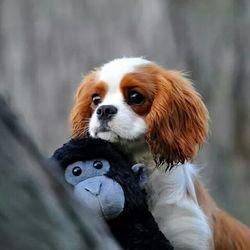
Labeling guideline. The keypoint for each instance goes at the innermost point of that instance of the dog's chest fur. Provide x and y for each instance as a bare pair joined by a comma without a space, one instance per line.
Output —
173,203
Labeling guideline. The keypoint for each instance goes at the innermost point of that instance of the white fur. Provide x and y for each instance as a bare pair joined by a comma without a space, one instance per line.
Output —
173,200
174,206
113,72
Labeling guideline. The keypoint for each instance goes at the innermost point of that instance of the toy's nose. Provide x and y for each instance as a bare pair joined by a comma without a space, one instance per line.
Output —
93,187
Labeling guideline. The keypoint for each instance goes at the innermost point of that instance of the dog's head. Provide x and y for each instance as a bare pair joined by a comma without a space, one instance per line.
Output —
133,98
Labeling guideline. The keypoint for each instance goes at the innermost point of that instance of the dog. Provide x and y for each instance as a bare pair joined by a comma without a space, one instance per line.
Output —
158,116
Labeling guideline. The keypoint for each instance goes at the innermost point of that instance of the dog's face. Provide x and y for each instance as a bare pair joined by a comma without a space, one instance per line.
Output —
132,98
123,103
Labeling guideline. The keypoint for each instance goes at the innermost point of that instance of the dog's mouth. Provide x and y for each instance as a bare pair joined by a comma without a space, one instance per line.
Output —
105,132
104,127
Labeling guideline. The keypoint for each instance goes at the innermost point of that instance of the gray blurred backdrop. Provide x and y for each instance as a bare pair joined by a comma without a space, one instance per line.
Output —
46,46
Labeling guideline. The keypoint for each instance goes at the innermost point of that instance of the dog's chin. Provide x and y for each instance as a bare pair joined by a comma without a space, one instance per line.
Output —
108,136
114,137
131,145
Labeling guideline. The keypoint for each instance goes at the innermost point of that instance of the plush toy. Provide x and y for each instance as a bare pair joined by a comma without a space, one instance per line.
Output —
112,185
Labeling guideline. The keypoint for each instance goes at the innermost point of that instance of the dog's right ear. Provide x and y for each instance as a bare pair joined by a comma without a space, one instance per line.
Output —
82,110
178,119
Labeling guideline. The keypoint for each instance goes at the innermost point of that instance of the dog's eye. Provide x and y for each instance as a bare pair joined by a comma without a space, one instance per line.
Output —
135,98
96,99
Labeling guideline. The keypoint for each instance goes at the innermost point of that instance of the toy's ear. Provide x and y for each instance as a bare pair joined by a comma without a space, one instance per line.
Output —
141,175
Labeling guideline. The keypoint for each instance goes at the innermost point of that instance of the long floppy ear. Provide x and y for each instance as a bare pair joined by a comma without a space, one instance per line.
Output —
81,111
178,120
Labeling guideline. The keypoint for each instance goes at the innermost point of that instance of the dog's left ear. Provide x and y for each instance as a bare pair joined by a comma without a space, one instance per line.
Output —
178,120
141,175
81,111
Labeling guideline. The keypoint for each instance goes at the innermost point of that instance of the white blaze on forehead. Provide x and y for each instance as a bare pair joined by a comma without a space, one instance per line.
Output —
113,72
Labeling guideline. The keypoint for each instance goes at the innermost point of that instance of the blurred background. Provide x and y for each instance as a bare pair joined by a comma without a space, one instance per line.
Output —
47,46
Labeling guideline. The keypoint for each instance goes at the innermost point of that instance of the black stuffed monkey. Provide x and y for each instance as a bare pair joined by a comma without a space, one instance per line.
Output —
113,186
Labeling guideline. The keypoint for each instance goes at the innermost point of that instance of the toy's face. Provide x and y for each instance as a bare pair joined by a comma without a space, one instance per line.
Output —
92,187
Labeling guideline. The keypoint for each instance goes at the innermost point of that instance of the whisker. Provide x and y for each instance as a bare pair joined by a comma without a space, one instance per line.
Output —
81,121
82,130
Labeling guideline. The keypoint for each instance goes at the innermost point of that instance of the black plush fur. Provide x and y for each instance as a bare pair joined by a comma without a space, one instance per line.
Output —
135,228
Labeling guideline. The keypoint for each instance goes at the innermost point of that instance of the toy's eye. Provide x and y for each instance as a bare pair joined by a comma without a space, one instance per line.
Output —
97,164
135,98
96,99
76,171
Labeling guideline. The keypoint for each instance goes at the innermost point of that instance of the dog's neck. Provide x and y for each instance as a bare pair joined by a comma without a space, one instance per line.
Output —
140,151
177,183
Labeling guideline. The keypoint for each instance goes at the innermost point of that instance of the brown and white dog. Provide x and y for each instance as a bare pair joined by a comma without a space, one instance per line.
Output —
157,115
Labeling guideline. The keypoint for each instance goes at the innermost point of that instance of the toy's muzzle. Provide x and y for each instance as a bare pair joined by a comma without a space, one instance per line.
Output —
102,195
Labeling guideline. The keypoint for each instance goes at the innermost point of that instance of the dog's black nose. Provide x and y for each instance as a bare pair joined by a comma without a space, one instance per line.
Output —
106,112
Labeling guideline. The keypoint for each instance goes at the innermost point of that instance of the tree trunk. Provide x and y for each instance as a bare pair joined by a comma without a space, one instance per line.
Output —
36,210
